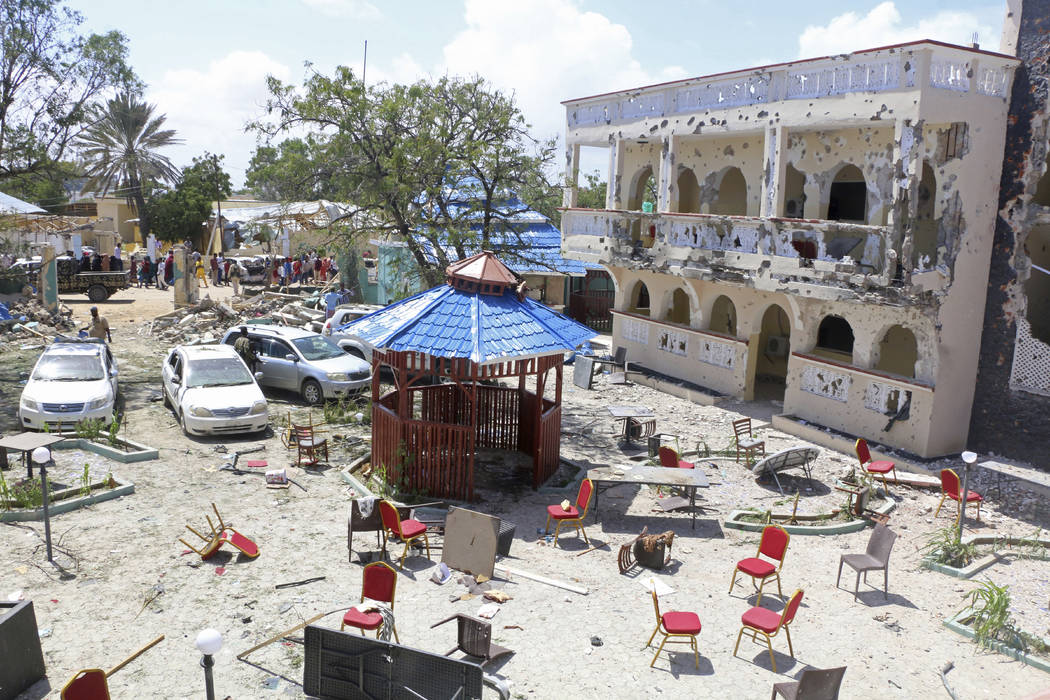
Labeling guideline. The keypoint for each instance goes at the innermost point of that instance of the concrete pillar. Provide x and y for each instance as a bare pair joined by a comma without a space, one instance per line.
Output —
76,243
151,246
665,189
614,192
47,279
571,191
774,171
907,171
183,280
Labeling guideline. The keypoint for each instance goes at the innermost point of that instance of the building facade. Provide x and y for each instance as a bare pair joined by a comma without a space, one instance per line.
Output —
816,232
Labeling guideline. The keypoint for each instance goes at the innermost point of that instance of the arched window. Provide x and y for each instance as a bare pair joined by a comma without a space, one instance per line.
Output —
639,299
849,196
794,193
643,189
898,352
678,311
723,316
732,194
688,192
835,334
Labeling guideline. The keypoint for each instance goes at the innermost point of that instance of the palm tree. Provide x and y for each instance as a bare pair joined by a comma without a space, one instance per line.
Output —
119,151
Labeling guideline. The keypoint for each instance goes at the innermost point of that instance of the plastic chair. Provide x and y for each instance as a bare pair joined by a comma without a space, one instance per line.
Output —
813,684
474,638
763,621
877,556
669,458
89,684
745,443
378,583
309,445
950,489
675,624
773,545
574,513
881,467
406,530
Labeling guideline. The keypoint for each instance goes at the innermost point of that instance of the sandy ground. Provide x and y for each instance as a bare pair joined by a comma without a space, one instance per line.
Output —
120,553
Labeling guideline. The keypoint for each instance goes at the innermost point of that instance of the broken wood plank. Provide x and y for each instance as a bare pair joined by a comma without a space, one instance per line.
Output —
508,571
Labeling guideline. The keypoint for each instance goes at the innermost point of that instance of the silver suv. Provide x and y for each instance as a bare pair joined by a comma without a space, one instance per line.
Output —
304,362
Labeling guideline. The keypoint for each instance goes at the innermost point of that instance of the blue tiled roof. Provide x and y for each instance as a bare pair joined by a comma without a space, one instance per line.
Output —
540,246
446,322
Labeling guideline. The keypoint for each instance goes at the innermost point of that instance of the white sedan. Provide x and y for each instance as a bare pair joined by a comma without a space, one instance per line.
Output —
73,381
212,391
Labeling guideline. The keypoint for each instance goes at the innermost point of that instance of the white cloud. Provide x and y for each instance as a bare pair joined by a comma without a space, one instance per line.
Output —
356,9
883,25
208,108
547,51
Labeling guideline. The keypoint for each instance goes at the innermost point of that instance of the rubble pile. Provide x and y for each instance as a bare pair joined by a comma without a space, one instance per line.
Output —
208,320
29,318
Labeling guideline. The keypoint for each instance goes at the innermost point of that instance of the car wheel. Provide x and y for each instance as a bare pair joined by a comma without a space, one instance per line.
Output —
182,422
312,393
164,397
97,293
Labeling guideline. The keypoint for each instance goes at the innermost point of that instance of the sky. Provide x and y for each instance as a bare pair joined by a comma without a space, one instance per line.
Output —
205,62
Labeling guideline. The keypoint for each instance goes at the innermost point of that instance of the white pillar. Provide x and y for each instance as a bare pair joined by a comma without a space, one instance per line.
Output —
774,171
571,191
665,192
614,192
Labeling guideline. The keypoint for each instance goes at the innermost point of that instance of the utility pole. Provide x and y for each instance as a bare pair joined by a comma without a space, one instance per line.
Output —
218,203
364,65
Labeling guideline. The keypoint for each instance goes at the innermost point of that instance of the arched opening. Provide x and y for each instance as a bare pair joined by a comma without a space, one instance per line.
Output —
924,237
688,192
678,311
898,352
848,199
1037,287
643,190
639,299
794,193
723,316
835,339
774,345
732,194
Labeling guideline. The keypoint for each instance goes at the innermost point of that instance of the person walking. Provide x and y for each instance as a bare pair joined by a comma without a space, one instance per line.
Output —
225,272
144,273
202,279
234,276
243,346
98,326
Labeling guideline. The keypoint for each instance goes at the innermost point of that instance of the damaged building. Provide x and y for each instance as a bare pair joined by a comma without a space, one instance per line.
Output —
816,232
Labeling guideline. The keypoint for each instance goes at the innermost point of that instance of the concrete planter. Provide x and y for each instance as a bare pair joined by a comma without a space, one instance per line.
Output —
134,452
347,476
959,623
735,521
65,500
982,563
19,648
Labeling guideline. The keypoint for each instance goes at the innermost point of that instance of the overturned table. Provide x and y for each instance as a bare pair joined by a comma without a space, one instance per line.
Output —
604,478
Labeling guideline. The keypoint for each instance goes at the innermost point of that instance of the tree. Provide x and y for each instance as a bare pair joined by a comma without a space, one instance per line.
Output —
285,173
433,164
50,75
119,150
44,187
179,213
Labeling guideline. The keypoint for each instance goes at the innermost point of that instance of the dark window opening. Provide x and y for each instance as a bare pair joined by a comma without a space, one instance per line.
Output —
848,201
835,334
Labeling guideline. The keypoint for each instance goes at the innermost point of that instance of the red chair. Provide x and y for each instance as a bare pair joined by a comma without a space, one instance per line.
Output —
406,530
669,458
89,684
379,584
675,624
881,467
950,489
773,546
573,514
767,623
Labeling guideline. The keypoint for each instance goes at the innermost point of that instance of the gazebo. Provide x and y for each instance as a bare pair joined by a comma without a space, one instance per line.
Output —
446,348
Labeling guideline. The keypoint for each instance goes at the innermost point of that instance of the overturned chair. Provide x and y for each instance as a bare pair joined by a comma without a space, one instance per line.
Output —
474,638
224,534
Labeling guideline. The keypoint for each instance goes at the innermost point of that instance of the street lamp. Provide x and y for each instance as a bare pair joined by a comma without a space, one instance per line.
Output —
42,456
968,459
209,641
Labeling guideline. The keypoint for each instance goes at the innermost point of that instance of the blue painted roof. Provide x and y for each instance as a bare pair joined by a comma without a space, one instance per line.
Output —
533,248
446,322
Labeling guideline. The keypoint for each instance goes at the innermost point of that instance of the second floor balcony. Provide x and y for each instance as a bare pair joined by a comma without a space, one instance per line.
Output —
834,258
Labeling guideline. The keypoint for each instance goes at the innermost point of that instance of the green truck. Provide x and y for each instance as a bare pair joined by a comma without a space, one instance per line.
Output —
99,286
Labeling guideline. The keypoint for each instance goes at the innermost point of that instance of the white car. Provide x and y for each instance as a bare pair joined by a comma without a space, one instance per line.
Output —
73,380
212,391
351,343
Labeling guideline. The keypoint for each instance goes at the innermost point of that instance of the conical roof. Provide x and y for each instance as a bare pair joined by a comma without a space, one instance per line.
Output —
482,326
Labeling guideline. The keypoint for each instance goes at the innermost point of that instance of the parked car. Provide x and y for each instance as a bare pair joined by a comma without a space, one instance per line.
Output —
73,380
304,362
351,343
212,391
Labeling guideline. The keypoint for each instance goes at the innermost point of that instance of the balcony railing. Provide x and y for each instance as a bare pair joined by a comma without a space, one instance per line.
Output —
901,68
808,248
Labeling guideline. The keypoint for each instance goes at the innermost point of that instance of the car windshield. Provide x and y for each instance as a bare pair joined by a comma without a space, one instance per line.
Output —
315,347
69,368
220,371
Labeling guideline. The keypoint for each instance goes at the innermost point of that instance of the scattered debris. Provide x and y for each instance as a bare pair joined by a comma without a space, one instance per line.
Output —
299,583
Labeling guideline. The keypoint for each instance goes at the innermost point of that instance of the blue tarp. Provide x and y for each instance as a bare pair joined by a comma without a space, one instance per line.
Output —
5,315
